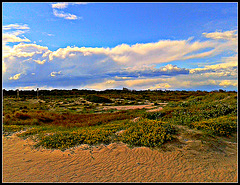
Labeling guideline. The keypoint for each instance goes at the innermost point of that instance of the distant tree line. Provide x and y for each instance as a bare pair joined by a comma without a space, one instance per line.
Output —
163,95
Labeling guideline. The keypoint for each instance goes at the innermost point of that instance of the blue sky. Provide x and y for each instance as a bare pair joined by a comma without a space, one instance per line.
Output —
183,46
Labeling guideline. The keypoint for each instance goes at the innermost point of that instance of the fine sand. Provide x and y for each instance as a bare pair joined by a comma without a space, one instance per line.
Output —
129,107
155,110
115,163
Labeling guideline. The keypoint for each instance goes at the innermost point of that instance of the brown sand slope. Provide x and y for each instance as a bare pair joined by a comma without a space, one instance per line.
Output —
114,163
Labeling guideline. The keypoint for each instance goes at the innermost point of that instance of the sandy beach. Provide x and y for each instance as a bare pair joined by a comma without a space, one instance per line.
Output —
114,163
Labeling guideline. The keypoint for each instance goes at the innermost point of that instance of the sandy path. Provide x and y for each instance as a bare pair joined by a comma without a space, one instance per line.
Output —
155,110
113,163
128,107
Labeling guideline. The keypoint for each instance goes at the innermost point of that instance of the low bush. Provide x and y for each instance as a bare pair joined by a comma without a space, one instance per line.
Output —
221,126
9,129
215,113
21,115
85,135
150,133
153,115
97,99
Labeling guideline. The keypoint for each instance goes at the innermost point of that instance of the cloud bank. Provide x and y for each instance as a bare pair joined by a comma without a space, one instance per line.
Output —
132,66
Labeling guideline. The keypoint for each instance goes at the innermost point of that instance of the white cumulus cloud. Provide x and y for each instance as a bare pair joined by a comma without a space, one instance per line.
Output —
64,15
60,5
227,35
16,26
64,5
13,38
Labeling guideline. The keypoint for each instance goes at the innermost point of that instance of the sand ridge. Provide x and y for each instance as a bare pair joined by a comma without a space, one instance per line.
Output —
113,163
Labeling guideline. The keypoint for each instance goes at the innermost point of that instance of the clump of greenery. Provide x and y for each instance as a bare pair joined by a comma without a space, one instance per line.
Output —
63,140
150,133
9,129
22,116
221,126
97,99
33,131
143,133
86,135
19,118
215,113
153,115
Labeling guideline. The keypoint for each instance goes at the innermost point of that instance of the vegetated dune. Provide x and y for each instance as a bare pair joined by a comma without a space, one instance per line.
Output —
115,163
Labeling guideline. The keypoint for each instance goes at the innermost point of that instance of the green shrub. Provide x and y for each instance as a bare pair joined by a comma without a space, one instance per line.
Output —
9,129
153,115
208,113
97,99
22,116
33,131
222,126
67,139
147,132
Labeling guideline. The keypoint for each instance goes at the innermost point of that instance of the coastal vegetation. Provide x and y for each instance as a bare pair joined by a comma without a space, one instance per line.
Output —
64,119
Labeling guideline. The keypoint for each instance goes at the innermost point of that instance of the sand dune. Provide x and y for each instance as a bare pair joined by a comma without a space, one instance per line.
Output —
114,163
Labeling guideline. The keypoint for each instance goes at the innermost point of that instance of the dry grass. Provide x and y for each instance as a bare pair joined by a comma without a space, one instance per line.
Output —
64,119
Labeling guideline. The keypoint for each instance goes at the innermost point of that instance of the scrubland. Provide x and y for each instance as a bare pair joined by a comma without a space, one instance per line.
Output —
202,121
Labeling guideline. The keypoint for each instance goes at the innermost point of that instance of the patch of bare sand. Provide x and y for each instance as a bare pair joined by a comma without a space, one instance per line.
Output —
155,110
129,107
114,163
